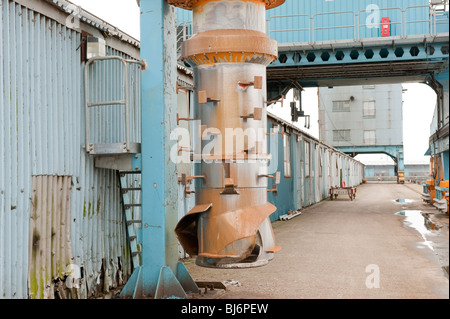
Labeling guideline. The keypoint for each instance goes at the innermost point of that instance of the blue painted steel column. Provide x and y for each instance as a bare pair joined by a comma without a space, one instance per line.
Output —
400,165
160,276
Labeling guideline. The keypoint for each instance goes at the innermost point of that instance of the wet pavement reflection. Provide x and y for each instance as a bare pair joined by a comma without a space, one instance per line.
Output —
416,220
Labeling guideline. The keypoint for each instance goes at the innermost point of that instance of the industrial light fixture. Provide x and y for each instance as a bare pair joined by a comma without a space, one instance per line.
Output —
296,113
95,47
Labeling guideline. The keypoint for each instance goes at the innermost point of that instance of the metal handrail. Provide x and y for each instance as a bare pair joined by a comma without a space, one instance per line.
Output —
124,101
332,27
434,18
436,15
379,24
432,30
183,35
269,31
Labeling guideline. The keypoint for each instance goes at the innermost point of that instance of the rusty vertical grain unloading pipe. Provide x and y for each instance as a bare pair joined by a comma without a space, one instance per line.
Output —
229,51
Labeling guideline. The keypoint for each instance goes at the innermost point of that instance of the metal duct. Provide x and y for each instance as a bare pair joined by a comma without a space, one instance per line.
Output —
229,52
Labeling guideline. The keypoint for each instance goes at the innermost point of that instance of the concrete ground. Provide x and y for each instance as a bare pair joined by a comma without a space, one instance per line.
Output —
356,249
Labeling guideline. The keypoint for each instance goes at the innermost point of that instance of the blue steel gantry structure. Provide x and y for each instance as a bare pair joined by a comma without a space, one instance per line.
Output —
340,43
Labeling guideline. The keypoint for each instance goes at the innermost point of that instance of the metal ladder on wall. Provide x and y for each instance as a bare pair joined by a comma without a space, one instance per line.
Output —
123,157
130,203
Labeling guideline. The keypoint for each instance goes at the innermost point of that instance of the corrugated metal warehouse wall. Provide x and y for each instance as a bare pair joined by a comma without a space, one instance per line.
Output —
48,185
310,170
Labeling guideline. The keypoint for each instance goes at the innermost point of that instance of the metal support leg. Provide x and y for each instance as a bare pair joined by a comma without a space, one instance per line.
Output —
160,276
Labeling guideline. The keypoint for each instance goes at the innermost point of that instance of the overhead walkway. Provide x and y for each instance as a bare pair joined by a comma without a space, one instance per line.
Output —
346,63
347,47
416,48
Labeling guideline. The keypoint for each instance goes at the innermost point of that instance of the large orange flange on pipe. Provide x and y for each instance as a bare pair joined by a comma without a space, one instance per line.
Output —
230,45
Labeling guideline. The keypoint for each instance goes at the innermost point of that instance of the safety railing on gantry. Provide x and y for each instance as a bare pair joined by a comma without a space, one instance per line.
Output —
362,24
347,25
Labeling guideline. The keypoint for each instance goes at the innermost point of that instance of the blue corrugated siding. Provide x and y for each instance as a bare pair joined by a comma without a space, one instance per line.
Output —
369,172
303,189
442,22
42,133
284,200
183,16
313,172
338,20
445,164
337,14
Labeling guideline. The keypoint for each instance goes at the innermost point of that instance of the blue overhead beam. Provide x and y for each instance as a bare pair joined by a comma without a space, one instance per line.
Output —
360,52
393,151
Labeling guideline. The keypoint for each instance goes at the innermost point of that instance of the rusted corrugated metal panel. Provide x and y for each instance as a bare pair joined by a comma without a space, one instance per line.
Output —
50,252
42,135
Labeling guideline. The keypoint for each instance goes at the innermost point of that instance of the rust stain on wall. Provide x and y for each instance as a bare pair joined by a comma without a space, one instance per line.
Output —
50,249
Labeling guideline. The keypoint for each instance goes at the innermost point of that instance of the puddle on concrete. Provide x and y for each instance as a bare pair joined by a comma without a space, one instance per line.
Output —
415,219
403,201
